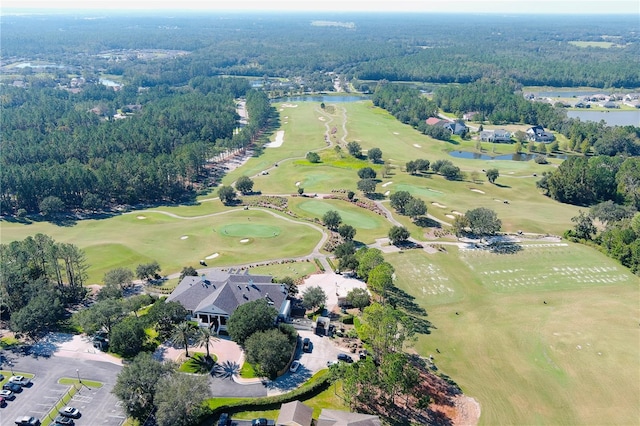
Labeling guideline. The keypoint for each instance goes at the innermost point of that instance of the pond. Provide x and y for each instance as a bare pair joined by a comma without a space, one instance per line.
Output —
324,98
612,118
504,157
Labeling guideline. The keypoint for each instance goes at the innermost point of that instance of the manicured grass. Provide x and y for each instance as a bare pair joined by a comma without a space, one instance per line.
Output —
369,225
88,383
6,342
140,237
573,360
247,371
197,364
294,270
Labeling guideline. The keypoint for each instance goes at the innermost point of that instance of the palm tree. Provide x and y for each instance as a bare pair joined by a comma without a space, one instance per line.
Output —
204,338
182,333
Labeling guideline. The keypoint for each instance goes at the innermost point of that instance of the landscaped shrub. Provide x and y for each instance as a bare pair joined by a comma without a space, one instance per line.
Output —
347,319
316,385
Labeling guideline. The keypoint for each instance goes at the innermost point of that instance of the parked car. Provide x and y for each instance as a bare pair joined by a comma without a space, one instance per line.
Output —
13,387
27,421
7,394
345,358
224,420
70,412
294,366
1,377
259,422
2,401
62,420
20,380
306,345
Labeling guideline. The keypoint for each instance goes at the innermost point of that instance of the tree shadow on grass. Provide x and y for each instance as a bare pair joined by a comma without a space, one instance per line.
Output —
375,196
400,298
506,248
426,222
226,370
499,185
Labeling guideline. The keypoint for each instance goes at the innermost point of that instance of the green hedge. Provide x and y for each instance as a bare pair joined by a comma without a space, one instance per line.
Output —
306,391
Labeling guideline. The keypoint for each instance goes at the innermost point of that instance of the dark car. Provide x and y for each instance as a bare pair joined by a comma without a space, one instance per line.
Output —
306,345
259,422
13,387
224,420
27,421
62,420
345,358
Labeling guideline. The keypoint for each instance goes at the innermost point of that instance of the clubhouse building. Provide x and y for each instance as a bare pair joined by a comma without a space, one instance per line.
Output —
211,298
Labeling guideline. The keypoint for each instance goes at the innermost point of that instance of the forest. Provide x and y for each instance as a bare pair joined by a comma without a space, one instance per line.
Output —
68,151
441,48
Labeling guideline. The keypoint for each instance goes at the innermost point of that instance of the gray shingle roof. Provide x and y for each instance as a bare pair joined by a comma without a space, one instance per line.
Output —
222,292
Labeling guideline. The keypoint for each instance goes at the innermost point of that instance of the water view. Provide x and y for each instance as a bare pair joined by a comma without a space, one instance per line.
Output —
612,118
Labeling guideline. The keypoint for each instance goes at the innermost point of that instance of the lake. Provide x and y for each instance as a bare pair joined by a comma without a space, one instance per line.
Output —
612,118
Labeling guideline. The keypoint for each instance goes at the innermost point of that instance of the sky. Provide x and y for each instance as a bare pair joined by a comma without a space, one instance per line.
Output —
629,7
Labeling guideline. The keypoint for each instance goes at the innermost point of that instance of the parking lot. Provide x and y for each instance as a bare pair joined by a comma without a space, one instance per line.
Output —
97,405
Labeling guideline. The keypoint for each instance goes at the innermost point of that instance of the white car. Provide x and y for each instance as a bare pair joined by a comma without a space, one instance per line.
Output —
294,366
7,394
19,380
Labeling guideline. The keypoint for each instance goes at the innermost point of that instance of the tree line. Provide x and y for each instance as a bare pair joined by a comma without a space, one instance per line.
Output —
533,50
39,279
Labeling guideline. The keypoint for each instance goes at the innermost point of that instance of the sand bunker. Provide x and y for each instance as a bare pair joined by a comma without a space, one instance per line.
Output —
457,213
479,191
184,237
396,133
278,142
244,240
442,206
141,217
384,185
387,193
213,256
450,216
417,146
321,118
298,183
289,106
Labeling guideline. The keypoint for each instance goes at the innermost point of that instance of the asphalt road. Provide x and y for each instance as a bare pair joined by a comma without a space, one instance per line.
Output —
97,406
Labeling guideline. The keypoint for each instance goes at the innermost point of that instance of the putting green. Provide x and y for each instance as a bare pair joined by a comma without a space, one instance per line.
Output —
350,217
245,230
